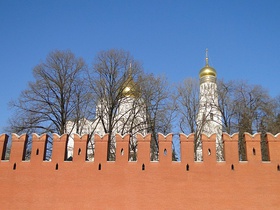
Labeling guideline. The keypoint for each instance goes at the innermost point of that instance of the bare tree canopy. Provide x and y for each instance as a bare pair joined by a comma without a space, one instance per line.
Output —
115,95
52,99
243,107
188,104
156,94
117,80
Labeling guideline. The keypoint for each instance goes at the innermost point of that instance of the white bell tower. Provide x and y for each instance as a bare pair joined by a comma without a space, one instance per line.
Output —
209,116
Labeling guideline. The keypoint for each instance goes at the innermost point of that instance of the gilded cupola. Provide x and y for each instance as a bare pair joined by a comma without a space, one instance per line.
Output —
207,70
129,87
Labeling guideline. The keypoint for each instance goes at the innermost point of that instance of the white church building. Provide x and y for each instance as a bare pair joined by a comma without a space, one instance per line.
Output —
130,118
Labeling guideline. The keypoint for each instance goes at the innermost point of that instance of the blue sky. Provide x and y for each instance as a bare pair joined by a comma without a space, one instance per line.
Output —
168,37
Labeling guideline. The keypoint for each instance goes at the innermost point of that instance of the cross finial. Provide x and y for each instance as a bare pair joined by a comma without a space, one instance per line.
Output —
206,57
130,70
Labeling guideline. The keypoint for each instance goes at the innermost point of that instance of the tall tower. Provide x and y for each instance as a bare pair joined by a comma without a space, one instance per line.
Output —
209,117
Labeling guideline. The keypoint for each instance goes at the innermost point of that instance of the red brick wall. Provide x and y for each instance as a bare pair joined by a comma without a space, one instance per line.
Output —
79,184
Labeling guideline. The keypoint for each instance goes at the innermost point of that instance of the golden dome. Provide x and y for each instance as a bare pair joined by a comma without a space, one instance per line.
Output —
130,88
207,70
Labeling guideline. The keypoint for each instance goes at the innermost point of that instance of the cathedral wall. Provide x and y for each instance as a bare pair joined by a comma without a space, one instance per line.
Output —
141,184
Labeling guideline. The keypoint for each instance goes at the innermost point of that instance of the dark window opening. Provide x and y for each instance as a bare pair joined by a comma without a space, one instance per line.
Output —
143,167
165,152
99,166
56,166
187,167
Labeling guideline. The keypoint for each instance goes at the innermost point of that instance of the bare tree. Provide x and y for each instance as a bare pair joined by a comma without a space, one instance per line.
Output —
250,101
113,71
188,104
227,106
271,122
56,96
159,108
